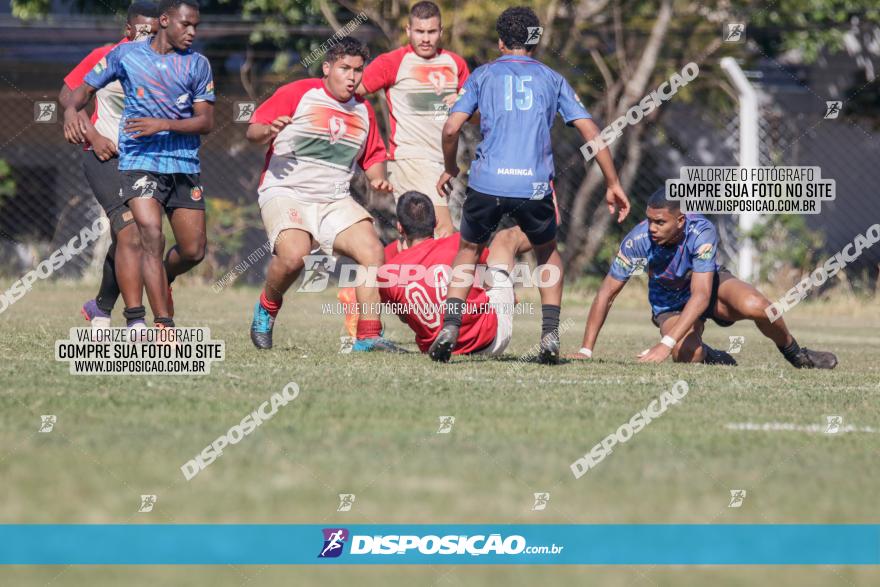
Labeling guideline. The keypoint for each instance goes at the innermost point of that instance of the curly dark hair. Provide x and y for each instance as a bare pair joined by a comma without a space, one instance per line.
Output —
346,46
513,26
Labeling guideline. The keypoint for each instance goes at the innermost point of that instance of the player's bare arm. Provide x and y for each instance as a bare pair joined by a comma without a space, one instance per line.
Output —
701,294
74,131
614,194
599,310
449,143
103,147
201,123
260,134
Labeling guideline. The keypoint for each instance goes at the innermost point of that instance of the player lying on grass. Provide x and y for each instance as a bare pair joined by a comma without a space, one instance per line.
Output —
169,102
420,81
518,98
415,281
685,287
100,162
318,130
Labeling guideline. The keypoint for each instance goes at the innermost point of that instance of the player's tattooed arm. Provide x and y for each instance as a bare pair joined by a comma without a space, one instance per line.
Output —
261,134
614,194
599,310
73,102
200,123
449,144
701,294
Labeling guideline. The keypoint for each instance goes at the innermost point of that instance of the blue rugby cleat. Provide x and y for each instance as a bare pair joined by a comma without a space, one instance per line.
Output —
261,327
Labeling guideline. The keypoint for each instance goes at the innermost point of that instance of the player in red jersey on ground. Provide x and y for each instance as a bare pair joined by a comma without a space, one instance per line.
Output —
414,281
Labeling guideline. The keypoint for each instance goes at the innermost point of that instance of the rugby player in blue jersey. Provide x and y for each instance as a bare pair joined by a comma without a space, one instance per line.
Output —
169,102
518,98
686,287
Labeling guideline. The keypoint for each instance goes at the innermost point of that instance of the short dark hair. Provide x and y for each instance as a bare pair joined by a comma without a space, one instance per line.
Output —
513,26
415,212
424,9
166,5
346,46
658,200
142,8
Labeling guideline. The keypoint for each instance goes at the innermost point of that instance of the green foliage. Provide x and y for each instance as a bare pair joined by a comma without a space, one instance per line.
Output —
814,25
30,9
7,182
785,242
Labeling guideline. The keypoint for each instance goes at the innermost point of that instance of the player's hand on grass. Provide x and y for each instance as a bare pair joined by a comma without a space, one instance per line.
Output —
74,128
444,185
145,127
616,198
104,148
381,185
656,354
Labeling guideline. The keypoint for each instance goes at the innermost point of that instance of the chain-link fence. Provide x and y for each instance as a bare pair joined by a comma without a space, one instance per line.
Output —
44,199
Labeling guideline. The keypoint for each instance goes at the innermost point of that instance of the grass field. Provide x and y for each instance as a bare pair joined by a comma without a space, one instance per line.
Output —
366,424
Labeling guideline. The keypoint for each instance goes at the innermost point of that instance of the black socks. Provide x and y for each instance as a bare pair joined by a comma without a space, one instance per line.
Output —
791,351
164,321
549,319
134,314
108,293
454,309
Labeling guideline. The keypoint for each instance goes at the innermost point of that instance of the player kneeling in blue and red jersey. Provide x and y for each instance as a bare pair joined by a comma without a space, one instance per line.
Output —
685,288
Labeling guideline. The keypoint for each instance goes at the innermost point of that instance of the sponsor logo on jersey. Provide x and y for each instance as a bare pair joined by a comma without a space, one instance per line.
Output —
209,89
514,171
622,262
182,100
140,92
100,66
704,253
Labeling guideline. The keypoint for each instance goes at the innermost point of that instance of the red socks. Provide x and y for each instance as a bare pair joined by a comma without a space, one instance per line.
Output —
368,328
270,306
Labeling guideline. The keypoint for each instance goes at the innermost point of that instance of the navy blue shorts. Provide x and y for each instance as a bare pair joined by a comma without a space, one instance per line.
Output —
482,213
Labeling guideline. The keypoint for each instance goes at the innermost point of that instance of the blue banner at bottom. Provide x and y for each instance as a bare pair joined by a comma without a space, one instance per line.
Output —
522,544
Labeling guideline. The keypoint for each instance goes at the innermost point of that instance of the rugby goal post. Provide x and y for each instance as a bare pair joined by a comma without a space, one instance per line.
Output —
748,157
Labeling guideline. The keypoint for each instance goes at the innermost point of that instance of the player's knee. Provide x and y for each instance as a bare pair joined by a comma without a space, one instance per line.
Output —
289,264
192,252
506,238
152,239
129,239
755,305
372,255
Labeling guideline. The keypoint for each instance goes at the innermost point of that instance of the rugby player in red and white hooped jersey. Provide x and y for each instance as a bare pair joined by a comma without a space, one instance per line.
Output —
318,130
421,82
100,135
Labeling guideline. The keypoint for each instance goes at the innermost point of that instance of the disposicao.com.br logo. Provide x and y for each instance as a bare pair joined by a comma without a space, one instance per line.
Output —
334,540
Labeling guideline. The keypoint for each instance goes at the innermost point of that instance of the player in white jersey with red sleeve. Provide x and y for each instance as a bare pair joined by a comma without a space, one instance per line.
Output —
421,81
317,131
